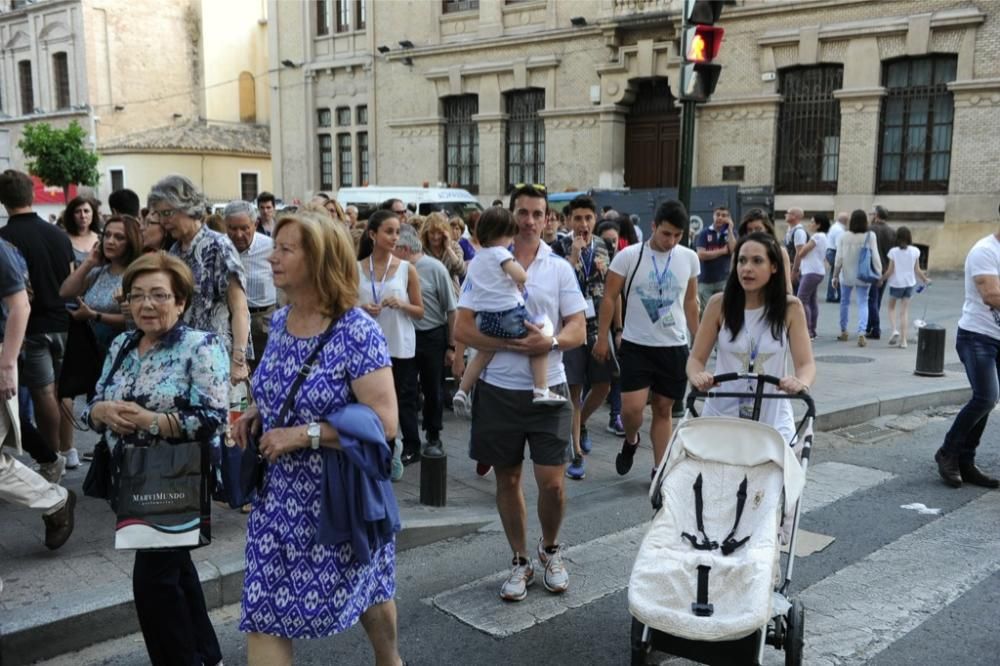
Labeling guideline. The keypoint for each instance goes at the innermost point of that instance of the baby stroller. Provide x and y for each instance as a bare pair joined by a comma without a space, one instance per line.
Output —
707,583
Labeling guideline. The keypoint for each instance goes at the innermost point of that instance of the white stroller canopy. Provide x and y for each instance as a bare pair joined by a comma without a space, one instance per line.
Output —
734,441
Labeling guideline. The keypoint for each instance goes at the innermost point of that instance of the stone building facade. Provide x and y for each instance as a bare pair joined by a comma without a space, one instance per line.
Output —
833,104
119,67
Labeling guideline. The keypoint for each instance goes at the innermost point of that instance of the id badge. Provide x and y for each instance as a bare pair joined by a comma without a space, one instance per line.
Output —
746,409
589,312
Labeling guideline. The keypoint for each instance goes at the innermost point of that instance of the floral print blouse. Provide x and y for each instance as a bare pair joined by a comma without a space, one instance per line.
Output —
213,259
184,373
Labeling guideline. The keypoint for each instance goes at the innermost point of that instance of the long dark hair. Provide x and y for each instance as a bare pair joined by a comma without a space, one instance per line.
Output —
367,245
734,299
859,222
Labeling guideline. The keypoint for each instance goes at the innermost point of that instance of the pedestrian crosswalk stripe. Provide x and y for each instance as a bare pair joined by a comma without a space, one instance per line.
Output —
855,613
602,566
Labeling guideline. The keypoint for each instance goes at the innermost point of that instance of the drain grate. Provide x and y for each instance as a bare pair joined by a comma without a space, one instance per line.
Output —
843,359
866,432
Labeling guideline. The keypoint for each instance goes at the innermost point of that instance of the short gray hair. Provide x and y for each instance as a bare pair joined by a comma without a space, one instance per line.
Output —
240,207
409,239
180,193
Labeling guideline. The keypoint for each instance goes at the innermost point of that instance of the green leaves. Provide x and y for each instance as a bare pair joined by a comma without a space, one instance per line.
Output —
59,157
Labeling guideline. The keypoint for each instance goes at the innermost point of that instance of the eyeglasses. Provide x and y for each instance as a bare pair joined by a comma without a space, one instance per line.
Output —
157,297
400,212
164,214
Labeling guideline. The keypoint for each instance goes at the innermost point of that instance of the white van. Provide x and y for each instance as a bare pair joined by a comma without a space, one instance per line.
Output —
422,199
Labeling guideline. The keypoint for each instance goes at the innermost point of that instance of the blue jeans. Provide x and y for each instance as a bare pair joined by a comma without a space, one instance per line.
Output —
980,355
874,305
845,306
832,295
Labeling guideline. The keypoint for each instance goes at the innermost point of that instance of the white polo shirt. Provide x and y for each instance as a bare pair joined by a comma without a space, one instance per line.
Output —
552,291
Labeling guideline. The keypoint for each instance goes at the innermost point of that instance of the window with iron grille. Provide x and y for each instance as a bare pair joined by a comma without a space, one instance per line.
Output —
808,129
323,117
360,14
322,17
343,15
325,162
363,114
60,77
525,137
461,137
449,6
362,158
248,186
344,160
343,116
27,89
918,112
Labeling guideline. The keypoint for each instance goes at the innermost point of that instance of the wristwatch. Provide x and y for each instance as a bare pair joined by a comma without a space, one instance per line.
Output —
154,427
555,344
312,430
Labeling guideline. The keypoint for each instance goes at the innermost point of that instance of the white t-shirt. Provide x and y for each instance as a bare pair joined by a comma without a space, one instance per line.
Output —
836,231
800,235
813,263
655,314
552,291
903,261
488,287
983,259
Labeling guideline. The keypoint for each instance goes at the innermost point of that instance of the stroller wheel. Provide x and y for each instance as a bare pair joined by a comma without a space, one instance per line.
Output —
639,648
795,634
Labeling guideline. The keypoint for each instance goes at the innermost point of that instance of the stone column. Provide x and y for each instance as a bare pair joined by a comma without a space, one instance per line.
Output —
859,140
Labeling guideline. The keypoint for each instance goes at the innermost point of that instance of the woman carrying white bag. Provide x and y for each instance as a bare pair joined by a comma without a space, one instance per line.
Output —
170,387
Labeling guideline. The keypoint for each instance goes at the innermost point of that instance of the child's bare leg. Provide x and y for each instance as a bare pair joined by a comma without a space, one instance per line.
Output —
539,371
474,369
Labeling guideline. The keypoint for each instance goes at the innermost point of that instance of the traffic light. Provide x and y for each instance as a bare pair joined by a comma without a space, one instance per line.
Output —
702,40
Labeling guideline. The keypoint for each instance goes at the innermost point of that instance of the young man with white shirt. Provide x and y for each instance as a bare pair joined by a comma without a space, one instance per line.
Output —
504,417
658,283
978,346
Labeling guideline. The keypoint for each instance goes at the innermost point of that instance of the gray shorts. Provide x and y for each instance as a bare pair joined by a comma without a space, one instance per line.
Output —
42,358
582,369
503,420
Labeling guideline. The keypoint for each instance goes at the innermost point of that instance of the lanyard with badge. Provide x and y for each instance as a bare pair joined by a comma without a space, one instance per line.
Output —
377,296
746,403
661,277
587,266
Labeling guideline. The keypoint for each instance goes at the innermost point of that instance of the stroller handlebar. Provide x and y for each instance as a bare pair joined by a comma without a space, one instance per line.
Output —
760,380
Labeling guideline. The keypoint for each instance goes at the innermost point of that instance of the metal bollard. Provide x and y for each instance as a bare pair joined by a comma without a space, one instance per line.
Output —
930,351
433,477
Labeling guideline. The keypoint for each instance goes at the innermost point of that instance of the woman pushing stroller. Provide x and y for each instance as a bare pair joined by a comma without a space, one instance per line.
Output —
756,324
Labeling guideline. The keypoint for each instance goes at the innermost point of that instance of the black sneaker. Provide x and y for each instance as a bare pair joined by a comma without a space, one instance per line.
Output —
410,457
623,461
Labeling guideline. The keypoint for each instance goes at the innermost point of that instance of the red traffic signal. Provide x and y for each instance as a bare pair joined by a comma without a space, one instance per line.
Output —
702,43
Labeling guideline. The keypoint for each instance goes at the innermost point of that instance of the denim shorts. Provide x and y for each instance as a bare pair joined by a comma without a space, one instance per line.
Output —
901,292
42,358
507,324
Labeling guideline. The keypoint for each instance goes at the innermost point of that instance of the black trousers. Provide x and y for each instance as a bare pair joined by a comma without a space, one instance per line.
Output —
171,609
31,439
431,348
404,377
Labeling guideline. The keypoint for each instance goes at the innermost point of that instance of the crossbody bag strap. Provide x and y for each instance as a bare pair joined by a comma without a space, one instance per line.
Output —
628,287
304,371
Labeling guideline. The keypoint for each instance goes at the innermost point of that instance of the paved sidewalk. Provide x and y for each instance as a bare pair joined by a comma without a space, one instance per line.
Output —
57,602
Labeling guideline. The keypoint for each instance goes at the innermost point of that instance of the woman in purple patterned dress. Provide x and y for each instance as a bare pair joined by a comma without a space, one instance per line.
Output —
296,587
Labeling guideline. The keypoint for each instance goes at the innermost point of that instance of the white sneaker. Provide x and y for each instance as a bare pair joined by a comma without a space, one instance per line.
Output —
556,578
53,472
894,339
72,458
462,404
515,588
397,462
547,397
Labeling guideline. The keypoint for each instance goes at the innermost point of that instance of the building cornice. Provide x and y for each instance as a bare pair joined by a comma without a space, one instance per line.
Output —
766,99
316,66
404,123
489,43
891,25
181,151
846,94
501,67
974,85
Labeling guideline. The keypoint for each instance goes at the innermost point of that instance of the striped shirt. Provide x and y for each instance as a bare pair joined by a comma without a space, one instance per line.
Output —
259,279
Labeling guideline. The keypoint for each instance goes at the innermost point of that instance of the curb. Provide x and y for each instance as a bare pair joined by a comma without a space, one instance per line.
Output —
102,614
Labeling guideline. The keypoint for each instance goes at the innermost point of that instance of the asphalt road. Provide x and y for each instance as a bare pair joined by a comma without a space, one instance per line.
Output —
895,587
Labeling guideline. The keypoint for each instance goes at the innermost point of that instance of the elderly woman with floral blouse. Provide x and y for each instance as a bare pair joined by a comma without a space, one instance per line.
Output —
219,304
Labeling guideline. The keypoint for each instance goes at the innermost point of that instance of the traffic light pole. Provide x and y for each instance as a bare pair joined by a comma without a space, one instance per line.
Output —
687,153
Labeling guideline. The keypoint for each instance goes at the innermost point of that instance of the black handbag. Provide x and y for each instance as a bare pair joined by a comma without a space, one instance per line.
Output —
98,482
244,471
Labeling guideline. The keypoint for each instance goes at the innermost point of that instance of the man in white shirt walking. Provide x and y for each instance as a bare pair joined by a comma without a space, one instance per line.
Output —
254,249
837,229
658,282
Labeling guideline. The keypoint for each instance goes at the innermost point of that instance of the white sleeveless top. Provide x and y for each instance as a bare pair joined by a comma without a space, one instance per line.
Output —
770,357
396,325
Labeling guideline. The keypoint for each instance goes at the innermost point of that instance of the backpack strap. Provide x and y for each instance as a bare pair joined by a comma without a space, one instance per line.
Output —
628,286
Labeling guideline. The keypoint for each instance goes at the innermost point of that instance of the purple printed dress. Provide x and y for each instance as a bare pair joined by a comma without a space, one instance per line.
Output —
294,587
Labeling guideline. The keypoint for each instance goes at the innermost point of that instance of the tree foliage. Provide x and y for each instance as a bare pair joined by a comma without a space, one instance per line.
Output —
59,157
